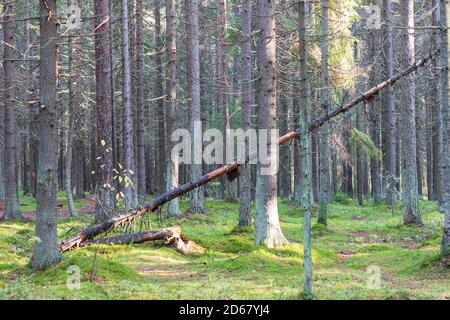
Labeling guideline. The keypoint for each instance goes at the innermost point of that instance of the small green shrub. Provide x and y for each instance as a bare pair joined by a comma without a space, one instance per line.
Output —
343,198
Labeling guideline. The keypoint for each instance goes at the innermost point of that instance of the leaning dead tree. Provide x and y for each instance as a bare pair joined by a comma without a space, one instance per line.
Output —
230,170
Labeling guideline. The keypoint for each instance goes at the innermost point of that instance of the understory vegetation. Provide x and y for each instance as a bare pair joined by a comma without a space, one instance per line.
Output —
231,267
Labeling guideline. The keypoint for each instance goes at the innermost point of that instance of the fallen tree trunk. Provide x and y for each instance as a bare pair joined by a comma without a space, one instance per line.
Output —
140,237
318,122
230,170
155,203
172,236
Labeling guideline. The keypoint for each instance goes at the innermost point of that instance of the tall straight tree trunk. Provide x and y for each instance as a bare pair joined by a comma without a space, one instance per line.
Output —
360,125
32,140
398,161
25,157
324,130
315,163
420,121
46,251
78,155
267,225
104,111
74,94
171,92
29,84
388,111
347,168
359,160
222,87
430,105
160,102
410,197
2,142
297,193
305,157
374,114
245,182
284,176
196,196
2,156
334,168
429,137
437,124
12,209
140,112
131,200
445,24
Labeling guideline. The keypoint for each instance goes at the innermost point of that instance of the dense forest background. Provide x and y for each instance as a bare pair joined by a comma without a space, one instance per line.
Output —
93,90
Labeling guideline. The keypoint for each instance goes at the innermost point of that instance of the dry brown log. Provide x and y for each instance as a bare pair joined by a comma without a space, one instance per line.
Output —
230,169
172,236
155,203
166,234
318,122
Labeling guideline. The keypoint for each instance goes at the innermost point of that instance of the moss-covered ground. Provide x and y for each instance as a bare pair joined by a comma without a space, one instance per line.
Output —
359,242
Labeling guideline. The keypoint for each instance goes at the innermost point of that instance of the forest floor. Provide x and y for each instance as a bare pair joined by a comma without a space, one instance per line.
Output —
359,241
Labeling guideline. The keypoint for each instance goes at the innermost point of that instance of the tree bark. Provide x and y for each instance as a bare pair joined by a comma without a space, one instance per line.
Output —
140,112
171,236
136,238
2,145
74,93
104,172
130,192
388,111
445,24
315,163
373,42
2,158
324,184
358,149
12,209
410,198
267,226
359,160
160,102
284,176
32,140
305,156
429,136
171,92
222,88
46,251
437,137
347,165
196,203
245,182
78,155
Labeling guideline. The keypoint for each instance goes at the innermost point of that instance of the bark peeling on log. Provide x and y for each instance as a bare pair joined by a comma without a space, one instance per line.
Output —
172,236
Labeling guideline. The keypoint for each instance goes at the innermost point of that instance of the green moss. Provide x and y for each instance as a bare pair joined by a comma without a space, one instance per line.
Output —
239,230
232,267
319,229
374,248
